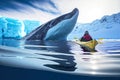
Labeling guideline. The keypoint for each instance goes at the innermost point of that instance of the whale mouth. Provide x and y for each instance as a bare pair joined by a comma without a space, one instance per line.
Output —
40,32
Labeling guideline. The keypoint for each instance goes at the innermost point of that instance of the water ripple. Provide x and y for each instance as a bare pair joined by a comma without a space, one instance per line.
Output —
68,58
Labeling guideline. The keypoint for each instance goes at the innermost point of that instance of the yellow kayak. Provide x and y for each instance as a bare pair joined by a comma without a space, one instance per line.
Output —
89,45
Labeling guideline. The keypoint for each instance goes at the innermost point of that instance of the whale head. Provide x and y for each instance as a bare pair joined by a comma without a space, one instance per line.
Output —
55,29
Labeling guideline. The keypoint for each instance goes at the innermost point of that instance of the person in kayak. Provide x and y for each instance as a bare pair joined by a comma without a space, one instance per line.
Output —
86,37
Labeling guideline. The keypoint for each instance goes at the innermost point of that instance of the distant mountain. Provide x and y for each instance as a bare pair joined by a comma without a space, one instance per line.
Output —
107,27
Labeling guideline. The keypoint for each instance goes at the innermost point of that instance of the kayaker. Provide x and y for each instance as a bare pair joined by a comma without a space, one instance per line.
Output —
86,37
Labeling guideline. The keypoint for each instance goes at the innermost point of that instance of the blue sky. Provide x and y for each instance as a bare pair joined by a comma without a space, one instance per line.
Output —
45,10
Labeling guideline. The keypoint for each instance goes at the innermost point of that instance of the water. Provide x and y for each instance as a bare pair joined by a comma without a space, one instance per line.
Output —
62,56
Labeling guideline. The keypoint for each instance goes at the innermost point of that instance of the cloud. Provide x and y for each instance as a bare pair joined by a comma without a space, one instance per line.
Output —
45,10
37,4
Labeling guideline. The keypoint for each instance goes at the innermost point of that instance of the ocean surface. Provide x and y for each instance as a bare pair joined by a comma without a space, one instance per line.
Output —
58,60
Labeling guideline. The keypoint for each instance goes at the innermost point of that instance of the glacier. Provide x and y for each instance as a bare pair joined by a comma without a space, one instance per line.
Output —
16,29
108,27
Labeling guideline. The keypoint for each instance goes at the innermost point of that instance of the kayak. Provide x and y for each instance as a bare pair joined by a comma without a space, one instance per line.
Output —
88,46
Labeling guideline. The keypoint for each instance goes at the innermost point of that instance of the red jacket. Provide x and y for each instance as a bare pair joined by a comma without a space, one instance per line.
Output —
86,37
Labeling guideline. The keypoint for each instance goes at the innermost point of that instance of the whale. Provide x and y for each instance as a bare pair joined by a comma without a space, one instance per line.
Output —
55,29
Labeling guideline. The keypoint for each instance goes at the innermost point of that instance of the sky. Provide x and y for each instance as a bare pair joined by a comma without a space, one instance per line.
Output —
45,10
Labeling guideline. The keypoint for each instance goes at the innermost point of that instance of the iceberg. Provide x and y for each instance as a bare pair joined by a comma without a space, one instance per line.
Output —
30,25
16,29
3,26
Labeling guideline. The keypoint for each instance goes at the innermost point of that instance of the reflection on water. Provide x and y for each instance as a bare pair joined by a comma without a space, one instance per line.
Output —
67,64
57,46
63,56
